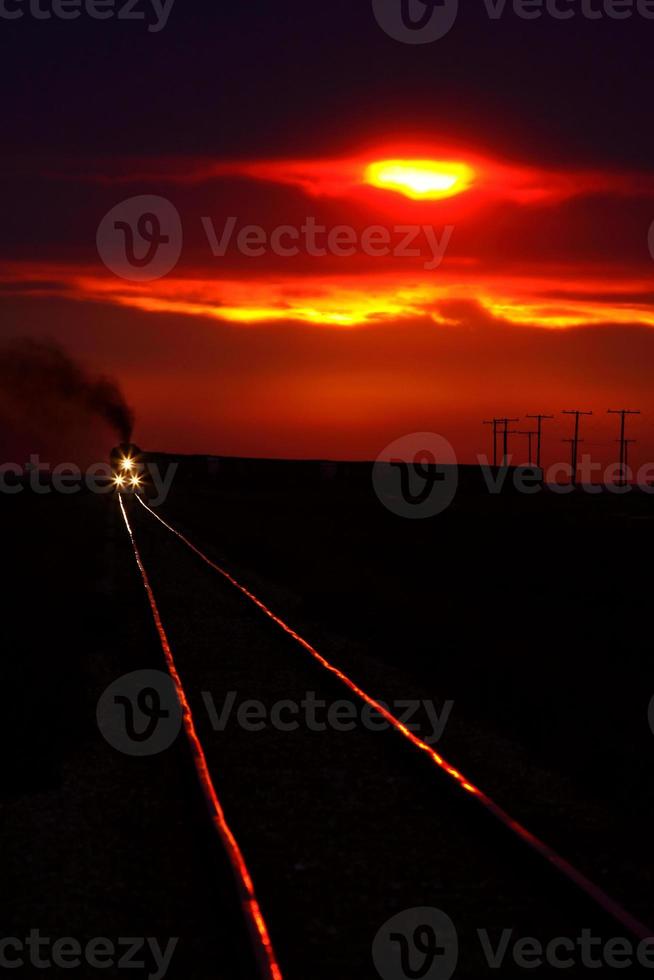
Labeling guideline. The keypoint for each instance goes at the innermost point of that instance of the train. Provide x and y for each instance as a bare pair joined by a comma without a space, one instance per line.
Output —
127,466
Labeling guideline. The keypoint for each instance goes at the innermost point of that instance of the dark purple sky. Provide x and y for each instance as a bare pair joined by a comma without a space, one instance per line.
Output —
259,81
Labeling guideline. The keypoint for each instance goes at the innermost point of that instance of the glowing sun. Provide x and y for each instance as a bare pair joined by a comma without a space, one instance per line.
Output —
421,180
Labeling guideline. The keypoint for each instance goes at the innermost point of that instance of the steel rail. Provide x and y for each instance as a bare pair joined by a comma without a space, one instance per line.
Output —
601,898
261,942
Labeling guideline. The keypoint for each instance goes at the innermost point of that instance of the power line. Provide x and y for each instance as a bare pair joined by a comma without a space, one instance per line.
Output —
624,442
541,419
530,435
505,438
495,423
574,458
506,432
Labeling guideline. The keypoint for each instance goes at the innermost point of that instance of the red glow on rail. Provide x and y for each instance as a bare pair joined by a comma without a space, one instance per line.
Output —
593,891
254,917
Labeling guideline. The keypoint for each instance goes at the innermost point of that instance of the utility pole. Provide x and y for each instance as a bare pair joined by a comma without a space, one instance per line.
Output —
624,442
541,419
530,435
627,443
575,442
495,423
505,438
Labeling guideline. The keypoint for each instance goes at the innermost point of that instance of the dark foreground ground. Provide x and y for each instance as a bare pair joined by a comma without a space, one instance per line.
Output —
531,614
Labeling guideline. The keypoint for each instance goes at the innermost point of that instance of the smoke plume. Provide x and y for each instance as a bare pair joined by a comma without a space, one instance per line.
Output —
39,379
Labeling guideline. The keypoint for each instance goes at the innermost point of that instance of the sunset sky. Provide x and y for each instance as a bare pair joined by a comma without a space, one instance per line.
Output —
525,148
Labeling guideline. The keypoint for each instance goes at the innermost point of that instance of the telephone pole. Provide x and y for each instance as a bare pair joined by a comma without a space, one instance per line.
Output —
624,442
495,423
505,438
627,443
530,435
575,441
539,445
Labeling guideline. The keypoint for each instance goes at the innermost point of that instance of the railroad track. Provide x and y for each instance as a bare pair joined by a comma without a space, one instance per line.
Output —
265,955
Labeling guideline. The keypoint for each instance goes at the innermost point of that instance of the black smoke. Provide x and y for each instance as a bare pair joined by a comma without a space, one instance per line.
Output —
41,377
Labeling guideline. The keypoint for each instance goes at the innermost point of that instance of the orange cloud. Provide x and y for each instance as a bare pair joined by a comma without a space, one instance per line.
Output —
553,301
489,179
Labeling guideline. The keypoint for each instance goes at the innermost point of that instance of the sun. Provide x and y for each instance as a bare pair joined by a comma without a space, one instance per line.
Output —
421,180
